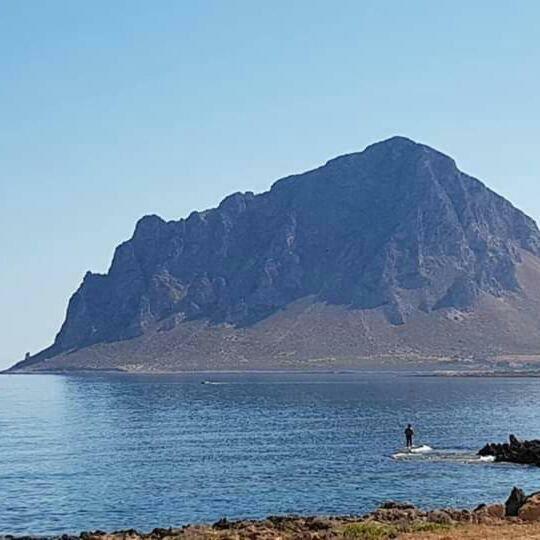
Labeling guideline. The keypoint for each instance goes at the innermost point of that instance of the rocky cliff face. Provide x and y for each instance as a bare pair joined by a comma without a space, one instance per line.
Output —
396,228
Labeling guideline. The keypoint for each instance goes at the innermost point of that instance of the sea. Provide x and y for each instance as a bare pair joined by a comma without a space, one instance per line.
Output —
116,451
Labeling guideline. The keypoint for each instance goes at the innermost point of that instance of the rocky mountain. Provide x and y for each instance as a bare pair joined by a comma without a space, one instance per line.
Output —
389,252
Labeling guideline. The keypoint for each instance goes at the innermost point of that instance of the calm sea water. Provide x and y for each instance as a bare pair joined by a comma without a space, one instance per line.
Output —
85,452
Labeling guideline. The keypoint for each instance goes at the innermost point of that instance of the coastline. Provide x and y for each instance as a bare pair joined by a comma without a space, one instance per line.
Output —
483,374
405,371
444,366
518,517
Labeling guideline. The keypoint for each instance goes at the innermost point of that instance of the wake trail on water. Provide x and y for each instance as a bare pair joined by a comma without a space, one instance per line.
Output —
412,452
424,449
427,453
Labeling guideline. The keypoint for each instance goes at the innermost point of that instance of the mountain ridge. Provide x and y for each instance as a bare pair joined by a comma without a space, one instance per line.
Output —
395,228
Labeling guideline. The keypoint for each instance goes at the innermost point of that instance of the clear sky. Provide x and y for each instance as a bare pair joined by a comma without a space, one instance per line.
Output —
112,109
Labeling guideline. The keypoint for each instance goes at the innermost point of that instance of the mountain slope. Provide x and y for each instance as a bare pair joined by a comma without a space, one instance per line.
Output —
383,252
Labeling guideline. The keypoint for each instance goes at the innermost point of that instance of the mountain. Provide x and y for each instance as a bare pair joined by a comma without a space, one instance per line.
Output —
387,253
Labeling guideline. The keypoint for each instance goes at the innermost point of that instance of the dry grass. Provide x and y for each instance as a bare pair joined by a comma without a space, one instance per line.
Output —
373,530
507,531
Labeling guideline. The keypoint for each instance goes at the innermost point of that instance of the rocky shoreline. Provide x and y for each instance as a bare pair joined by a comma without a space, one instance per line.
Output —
514,451
518,517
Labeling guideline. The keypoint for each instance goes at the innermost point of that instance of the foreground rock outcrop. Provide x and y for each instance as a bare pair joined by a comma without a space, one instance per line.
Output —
518,518
514,451
390,251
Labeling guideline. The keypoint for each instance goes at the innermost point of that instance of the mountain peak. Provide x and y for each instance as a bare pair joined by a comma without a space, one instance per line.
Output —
395,149
396,140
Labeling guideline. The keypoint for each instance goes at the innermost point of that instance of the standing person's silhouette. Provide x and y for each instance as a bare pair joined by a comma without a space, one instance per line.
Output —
409,434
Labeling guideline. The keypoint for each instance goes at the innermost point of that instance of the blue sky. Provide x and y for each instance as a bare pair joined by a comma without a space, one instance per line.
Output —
110,110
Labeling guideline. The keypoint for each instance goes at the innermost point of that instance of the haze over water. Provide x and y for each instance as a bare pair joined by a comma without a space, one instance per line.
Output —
115,451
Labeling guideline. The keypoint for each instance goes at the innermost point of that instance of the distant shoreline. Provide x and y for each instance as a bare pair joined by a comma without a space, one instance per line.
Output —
405,371
210,371
484,374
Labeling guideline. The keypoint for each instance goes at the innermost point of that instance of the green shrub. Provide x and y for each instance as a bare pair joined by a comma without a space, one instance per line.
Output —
369,530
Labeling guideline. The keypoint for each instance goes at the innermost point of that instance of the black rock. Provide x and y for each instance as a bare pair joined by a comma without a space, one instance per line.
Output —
390,505
223,523
514,502
516,451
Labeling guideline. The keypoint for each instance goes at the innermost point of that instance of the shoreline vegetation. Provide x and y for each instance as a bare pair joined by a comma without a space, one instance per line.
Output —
516,374
517,518
504,366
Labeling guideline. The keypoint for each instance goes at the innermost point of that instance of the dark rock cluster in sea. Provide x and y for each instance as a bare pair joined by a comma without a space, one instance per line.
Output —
514,451
391,520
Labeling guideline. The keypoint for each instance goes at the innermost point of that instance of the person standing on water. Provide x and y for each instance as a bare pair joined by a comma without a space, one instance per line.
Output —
409,434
